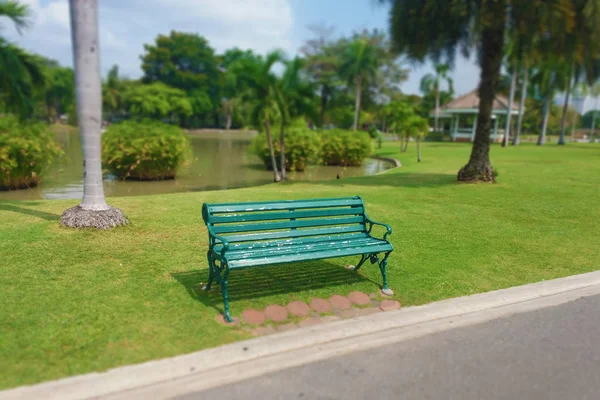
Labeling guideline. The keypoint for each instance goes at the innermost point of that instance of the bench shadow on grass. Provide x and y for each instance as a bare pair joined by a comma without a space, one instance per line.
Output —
7,206
253,283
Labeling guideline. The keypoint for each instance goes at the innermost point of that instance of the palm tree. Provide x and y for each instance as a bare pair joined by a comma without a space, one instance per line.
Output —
360,62
20,72
263,93
546,80
112,91
93,210
511,98
438,29
571,77
430,83
594,91
525,79
294,99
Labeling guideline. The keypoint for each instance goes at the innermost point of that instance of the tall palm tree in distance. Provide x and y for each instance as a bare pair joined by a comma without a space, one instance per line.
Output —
93,210
360,62
430,83
262,86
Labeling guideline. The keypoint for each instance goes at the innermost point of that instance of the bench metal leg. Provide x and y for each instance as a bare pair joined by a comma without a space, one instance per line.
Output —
382,266
363,258
224,285
211,271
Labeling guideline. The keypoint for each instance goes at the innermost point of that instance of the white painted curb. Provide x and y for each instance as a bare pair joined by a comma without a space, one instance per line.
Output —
214,367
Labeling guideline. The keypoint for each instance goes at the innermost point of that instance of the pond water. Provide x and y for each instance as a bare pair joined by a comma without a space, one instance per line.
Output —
221,160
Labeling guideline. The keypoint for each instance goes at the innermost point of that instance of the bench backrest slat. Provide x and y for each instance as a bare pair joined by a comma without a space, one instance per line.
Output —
269,226
284,205
260,221
248,217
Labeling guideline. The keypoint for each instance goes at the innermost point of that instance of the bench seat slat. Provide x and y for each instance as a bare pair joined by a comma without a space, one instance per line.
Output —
248,217
366,243
283,205
289,258
267,226
288,241
296,233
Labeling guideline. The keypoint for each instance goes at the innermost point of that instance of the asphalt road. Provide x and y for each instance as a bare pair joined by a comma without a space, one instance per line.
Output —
552,353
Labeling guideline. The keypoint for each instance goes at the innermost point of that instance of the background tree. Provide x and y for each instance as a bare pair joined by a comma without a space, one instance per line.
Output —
359,64
262,92
294,100
93,210
322,61
513,70
157,101
20,72
112,92
590,117
233,88
186,61
430,84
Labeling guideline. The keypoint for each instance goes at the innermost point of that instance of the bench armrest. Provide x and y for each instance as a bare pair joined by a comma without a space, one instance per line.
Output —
371,223
214,236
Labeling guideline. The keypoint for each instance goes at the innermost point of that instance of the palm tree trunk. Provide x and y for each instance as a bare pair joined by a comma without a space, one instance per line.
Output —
93,210
324,95
542,137
517,138
276,176
357,104
563,123
228,120
418,149
511,97
593,125
89,99
437,107
282,153
479,168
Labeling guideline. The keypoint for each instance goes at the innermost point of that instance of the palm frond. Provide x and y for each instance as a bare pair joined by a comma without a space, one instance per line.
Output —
17,12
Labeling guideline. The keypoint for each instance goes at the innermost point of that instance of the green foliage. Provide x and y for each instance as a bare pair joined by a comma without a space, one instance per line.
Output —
345,148
26,150
588,118
302,147
157,101
147,150
182,60
58,91
20,74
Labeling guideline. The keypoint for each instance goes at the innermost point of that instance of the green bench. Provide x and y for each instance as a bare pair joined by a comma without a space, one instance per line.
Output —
245,235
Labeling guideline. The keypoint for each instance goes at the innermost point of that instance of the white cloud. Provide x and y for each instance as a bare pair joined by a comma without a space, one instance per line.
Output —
125,26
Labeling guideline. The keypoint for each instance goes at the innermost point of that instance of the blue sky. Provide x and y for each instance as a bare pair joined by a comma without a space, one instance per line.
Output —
125,25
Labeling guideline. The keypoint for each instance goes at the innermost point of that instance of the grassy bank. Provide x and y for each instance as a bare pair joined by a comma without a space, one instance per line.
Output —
81,301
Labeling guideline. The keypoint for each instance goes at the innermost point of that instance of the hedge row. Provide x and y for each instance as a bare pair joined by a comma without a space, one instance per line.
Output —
304,146
26,151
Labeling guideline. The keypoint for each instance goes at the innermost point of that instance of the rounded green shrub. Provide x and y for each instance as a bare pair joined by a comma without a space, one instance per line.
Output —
26,151
345,148
147,150
302,147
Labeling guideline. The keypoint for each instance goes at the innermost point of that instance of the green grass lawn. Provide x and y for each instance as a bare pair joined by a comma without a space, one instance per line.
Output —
81,301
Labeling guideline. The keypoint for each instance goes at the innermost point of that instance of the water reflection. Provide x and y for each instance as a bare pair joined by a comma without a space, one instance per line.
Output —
221,160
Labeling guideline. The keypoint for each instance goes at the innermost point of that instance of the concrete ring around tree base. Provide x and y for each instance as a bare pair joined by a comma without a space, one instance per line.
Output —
387,292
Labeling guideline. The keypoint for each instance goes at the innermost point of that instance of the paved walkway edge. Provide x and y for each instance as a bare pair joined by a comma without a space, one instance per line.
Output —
242,360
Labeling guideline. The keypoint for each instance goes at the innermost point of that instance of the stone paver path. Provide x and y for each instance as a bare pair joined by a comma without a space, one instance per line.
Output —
297,314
